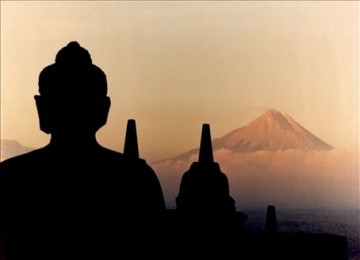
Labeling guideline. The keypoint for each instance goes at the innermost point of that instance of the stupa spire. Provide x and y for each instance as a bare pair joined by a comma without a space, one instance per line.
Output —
131,148
206,152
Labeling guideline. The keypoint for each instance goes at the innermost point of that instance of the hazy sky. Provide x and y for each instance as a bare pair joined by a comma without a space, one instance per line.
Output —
174,65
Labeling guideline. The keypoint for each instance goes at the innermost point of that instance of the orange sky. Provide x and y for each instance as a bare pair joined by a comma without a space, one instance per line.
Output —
175,65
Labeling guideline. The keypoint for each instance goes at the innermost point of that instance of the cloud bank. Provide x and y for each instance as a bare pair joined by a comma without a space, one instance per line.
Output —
287,179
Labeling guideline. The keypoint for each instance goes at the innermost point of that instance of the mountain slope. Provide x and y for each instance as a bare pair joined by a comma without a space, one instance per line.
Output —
11,148
272,131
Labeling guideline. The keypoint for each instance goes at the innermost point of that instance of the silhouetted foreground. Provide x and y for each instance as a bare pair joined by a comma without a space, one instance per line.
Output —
204,200
237,242
206,225
73,212
74,199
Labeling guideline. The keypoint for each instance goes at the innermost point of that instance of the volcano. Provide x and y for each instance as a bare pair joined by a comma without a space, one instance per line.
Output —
272,131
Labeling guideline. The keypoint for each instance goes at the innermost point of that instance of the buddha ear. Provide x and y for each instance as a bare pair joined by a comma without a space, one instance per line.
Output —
103,112
44,113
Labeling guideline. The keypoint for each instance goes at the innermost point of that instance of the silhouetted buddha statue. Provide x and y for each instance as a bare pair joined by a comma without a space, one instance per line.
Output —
72,199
